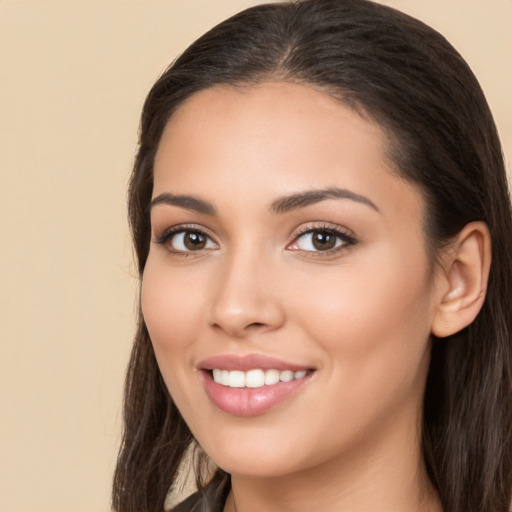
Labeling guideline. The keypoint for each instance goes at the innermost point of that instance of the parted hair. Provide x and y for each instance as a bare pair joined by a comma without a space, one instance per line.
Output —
405,76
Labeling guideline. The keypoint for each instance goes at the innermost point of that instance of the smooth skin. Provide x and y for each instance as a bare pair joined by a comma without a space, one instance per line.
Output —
229,273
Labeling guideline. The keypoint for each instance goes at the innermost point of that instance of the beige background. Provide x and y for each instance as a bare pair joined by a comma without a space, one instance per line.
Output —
73,76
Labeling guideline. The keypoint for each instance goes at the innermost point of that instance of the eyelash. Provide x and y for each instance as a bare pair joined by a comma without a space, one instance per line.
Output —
347,240
168,234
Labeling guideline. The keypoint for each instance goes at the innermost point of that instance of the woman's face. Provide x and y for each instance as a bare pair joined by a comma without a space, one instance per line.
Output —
285,247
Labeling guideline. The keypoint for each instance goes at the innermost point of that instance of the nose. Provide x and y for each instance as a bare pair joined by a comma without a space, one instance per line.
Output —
246,297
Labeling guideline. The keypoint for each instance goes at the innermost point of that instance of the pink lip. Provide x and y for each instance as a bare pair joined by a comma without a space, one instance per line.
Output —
249,362
249,401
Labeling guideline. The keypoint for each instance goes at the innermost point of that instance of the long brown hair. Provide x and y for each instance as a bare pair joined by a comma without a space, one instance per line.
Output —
408,78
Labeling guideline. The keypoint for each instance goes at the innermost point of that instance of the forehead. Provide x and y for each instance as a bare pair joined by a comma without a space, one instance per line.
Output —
270,105
273,139
304,122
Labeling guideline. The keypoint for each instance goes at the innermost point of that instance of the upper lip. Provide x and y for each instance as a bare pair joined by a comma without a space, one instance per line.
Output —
248,362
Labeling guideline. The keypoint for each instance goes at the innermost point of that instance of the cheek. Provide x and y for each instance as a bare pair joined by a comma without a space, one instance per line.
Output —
373,324
170,314
373,330
171,306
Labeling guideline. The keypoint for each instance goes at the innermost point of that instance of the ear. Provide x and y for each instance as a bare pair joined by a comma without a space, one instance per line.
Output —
463,280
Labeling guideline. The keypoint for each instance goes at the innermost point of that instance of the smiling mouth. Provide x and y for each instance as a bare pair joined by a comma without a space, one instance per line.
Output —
255,378
253,384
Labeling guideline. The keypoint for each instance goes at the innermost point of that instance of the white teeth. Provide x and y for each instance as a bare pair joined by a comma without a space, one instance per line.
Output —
254,378
286,376
271,377
236,379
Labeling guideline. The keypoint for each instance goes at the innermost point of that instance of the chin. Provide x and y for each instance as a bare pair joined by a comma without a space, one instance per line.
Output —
262,467
262,459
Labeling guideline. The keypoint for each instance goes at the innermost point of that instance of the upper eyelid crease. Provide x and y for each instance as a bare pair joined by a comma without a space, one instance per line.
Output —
341,232
347,237
173,230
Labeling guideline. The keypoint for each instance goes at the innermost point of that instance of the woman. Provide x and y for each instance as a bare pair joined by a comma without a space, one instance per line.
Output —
316,196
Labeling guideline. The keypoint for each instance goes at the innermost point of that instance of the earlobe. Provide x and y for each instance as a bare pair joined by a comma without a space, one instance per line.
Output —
465,274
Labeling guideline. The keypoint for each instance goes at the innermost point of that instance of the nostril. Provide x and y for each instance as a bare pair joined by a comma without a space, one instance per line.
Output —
256,324
240,331
241,317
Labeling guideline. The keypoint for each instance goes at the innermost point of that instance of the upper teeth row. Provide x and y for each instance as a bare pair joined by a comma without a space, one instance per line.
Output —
254,378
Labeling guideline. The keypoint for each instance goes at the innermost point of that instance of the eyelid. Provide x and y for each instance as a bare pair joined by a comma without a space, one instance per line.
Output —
168,233
346,236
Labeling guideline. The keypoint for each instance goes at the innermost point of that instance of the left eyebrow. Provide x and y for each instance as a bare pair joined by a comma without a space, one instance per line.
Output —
302,199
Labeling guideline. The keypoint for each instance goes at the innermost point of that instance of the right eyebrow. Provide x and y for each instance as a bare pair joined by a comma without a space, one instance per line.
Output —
185,201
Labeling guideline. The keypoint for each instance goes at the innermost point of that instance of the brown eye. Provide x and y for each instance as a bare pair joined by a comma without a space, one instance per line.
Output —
194,241
318,240
188,240
323,240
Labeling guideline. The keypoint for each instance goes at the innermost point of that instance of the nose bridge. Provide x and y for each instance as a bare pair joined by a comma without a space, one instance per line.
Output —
245,298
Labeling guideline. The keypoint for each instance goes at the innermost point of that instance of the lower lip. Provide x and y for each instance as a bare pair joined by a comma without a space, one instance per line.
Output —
250,401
